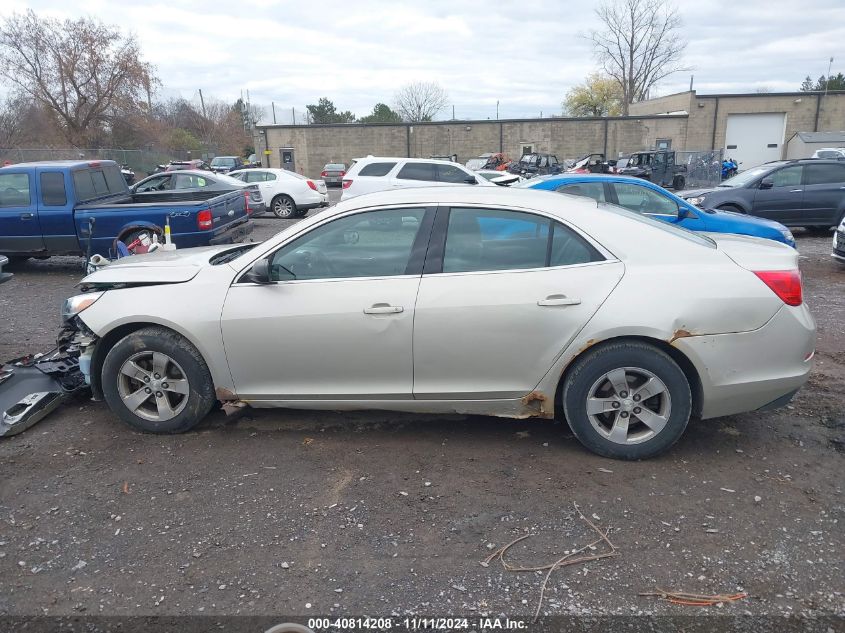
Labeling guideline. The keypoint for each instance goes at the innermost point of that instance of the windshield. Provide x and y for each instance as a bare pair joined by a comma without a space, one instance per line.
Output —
222,161
742,179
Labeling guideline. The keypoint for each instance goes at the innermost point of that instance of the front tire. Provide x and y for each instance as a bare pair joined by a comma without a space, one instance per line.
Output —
283,207
678,183
157,382
627,400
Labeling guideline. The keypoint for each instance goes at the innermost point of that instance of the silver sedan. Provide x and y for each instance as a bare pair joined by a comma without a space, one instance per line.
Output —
511,303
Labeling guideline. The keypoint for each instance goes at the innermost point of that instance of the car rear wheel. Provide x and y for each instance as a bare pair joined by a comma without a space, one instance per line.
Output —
627,400
283,207
157,382
678,183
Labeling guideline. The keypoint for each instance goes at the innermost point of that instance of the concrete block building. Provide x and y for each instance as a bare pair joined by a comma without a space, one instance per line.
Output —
751,128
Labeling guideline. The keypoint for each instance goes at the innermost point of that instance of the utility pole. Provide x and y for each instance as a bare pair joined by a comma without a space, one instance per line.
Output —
497,109
202,103
453,111
273,105
293,115
827,81
691,77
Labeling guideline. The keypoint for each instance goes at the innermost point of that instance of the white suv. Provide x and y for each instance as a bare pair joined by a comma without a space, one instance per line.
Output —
375,173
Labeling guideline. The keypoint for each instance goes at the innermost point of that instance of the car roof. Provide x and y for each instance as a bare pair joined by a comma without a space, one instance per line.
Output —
192,172
60,163
396,159
590,178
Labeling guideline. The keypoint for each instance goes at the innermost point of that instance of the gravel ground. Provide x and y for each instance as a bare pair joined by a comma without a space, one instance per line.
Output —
302,513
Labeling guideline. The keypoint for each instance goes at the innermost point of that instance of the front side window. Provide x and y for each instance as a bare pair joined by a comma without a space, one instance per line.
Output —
826,174
450,173
787,177
644,200
153,184
14,190
418,171
594,190
493,239
370,244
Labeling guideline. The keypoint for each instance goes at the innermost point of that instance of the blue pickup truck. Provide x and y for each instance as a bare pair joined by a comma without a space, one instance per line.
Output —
47,208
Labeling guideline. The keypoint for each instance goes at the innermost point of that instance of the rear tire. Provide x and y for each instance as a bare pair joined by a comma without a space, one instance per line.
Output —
283,207
627,400
157,382
678,183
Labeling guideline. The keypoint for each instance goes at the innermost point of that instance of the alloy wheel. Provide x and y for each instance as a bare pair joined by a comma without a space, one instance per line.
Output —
283,207
153,386
629,405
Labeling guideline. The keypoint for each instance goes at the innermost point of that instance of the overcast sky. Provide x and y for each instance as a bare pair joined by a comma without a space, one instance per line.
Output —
526,55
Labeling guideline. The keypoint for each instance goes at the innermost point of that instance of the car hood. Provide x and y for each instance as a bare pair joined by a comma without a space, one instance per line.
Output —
730,219
160,267
695,193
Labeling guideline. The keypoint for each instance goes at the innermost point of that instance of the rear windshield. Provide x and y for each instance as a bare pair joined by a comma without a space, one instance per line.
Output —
340,166
659,224
222,161
96,182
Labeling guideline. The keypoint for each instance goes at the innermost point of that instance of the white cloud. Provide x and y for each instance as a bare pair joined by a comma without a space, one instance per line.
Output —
525,55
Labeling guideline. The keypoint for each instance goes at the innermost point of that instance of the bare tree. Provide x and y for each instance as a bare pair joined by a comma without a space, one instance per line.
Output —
420,101
86,72
639,46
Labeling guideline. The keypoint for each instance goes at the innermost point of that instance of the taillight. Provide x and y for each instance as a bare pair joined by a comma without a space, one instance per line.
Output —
324,173
343,173
204,220
786,284
347,183
246,202
312,185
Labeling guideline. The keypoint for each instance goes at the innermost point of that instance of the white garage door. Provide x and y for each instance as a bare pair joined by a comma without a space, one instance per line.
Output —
753,139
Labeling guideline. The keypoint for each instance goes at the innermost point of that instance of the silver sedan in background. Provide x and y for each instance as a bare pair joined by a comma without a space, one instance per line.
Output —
494,301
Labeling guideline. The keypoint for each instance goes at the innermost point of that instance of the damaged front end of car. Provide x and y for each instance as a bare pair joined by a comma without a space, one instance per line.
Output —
33,386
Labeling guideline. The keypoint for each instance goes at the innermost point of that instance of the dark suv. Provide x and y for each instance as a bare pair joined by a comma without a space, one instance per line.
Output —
531,165
658,167
808,192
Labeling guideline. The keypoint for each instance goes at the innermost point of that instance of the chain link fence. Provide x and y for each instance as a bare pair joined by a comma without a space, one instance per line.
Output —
141,161
704,169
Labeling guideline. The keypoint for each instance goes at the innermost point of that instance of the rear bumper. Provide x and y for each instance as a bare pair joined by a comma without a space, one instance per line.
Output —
839,245
752,370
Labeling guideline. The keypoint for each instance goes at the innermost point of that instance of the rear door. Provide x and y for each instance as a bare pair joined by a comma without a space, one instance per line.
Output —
784,202
503,292
414,174
824,192
20,228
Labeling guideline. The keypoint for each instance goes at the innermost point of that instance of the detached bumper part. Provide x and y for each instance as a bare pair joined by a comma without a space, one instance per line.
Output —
31,389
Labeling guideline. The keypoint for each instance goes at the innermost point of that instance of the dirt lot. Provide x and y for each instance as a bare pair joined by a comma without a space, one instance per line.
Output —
303,513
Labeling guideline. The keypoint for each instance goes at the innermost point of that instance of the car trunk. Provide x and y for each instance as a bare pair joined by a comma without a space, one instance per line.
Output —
755,253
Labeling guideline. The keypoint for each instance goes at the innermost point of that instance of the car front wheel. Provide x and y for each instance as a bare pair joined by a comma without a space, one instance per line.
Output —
157,381
627,400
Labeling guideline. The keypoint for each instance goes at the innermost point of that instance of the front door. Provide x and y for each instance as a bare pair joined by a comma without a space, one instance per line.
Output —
20,229
337,321
824,189
499,301
784,201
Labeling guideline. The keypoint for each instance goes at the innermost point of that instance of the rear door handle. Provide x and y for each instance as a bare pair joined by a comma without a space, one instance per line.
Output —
559,300
383,308
795,190
27,216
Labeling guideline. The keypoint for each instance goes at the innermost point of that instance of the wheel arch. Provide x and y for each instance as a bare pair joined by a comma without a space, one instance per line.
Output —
686,365
108,340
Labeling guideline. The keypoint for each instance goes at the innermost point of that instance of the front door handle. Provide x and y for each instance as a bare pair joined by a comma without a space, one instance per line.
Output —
27,216
383,308
559,300
795,190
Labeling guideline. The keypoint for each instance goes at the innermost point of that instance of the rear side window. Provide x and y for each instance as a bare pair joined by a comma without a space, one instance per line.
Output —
450,173
14,190
594,190
418,171
53,192
114,179
376,169
494,239
83,185
824,174
99,180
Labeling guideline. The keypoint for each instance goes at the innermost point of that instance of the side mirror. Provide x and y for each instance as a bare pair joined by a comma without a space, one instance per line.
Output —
683,212
767,183
259,273
471,180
